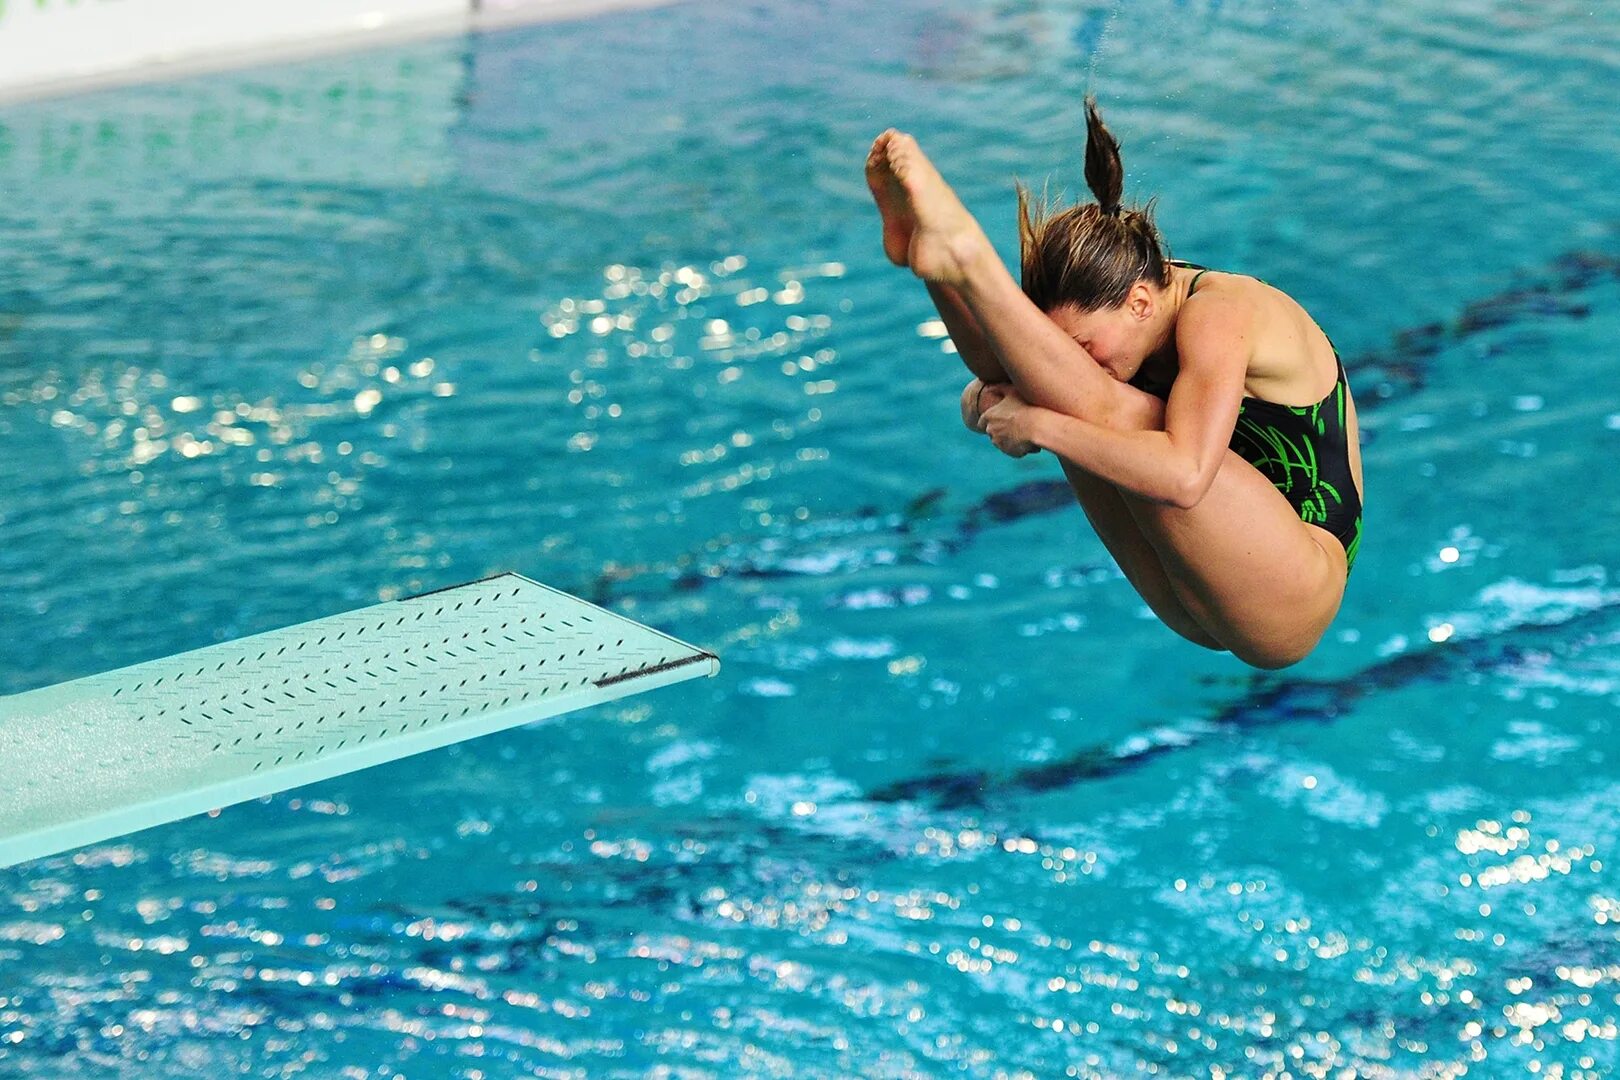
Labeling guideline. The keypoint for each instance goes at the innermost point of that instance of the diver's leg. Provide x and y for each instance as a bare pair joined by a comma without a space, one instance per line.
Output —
959,322
1104,507
898,225
952,254
1259,580
1116,526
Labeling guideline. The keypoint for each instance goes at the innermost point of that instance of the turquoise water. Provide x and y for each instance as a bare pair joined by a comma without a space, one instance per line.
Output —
603,302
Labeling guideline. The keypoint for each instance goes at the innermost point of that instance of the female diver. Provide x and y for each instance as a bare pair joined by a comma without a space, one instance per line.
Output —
1202,418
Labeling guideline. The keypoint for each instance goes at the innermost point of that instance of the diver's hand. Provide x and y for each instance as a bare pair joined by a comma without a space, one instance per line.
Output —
971,393
1007,422
978,396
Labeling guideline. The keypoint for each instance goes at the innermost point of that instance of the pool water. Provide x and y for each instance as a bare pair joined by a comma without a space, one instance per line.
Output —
603,302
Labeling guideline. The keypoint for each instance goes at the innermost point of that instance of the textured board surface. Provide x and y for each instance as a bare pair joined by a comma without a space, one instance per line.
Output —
112,753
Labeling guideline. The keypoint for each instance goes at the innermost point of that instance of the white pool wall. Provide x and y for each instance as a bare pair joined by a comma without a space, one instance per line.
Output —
62,46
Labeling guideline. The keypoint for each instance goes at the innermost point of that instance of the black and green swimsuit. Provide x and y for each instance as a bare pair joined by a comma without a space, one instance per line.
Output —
1304,450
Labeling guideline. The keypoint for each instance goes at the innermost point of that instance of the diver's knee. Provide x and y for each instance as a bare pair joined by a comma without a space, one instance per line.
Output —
1194,632
1271,657
1185,624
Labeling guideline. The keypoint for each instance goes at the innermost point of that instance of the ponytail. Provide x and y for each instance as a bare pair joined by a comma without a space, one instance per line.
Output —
1105,175
1090,255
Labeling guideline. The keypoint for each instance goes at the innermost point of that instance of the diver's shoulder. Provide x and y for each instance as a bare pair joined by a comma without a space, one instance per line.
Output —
1220,308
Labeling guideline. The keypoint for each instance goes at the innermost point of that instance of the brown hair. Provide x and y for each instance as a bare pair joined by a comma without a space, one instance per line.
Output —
1090,255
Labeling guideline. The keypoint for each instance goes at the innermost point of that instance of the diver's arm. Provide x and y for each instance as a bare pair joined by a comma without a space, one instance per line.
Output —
1177,465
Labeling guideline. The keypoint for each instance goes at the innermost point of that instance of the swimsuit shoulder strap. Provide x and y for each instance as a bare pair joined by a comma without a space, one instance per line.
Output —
1202,270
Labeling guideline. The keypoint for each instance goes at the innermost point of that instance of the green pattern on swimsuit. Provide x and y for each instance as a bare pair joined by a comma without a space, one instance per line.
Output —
1303,451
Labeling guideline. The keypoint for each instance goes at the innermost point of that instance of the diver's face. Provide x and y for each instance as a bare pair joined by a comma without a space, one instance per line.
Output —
1115,337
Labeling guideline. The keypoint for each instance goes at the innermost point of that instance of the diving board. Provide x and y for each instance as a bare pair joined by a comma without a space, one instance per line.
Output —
105,755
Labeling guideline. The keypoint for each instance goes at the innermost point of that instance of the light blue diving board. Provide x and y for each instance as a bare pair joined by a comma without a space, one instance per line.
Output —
106,755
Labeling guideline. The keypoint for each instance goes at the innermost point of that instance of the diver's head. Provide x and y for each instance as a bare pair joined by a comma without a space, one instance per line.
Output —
1098,269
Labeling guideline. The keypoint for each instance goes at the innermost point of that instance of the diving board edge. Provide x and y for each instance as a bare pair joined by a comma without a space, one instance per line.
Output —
64,836
28,846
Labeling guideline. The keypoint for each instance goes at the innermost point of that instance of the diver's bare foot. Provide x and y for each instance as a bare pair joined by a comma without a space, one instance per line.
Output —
942,240
898,220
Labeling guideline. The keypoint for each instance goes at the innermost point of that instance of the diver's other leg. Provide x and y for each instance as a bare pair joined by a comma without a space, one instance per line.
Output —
1259,579
1116,526
1240,563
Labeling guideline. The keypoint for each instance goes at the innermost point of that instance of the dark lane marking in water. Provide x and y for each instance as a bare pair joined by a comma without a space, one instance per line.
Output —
1399,369
1273,702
